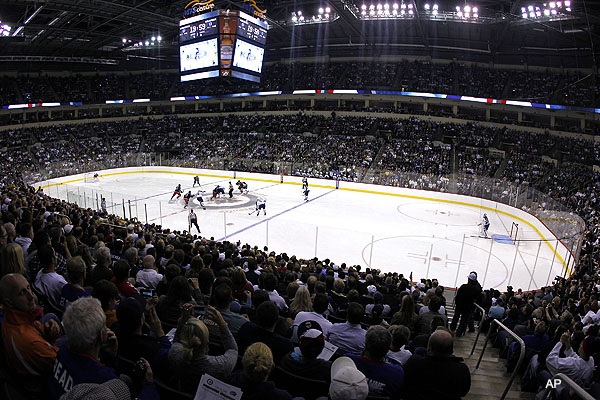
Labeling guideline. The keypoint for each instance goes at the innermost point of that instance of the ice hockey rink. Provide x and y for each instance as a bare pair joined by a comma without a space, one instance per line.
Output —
428,234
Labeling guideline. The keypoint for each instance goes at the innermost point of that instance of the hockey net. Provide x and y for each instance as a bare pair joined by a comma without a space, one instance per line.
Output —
88,177
514,231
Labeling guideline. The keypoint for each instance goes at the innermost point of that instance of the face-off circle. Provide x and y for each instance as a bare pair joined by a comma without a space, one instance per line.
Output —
224,202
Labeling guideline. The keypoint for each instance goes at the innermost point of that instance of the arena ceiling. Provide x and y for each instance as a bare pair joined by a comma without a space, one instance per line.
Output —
89,33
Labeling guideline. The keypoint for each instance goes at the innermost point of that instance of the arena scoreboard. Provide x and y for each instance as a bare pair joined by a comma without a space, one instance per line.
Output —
227,43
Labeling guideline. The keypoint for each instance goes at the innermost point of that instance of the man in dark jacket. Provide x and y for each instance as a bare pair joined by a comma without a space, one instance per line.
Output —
439,374
466,296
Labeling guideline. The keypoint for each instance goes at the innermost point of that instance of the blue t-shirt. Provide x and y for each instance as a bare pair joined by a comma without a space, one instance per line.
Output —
383,378
71,369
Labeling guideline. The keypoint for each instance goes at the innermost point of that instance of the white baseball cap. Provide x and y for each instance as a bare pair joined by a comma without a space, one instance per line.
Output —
347,382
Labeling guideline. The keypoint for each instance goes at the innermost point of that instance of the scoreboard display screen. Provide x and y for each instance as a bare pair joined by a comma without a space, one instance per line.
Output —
198,30
248,56
225,43
250,31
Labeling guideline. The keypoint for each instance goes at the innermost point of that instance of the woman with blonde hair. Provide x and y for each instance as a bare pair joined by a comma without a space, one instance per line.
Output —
301,302
12,260
257,365
188,355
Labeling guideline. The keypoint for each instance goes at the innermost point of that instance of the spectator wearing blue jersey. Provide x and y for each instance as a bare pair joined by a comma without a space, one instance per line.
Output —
384,379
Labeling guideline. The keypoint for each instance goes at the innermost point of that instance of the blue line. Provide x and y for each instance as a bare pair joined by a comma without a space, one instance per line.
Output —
274,216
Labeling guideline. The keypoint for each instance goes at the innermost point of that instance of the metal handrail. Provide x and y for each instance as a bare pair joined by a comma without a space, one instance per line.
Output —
571,384
521,355
479,327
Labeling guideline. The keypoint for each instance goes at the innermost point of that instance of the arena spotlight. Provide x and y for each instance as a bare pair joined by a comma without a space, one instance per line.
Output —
427,6
159,38
321,10
395,6
146,43
5,29
124,40
327,10
153,38
363,7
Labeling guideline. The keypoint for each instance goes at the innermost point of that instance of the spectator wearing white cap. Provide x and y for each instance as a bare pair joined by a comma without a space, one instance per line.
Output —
347,382
303,360
466,296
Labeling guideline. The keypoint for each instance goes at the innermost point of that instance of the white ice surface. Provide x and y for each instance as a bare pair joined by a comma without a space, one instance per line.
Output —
409,235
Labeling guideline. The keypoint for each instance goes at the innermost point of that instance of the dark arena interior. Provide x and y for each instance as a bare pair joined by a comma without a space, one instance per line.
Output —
459,115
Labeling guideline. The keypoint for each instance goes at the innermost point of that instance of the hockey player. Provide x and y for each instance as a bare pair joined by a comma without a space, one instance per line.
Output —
485,224
242,186
96,176
230,190
304,183
187,198
306,193
200,199
196,181
193,220
176,192
217,191
261,204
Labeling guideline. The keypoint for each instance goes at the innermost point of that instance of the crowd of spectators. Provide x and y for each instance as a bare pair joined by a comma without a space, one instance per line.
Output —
89,299
572,88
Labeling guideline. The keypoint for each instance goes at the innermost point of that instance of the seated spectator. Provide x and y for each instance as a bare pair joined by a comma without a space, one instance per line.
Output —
421,341
222,298
320,304
242,289
439,374
337,295
121,279
349,336
108,294
407,315
253,379
171,272
135,345
301,302
384,379
47,281
283,325
25,232
28,343
11,260
384,309
102,269
270,283
148,277
577,366
78,359
303,361
398,354
180,292
115,389
188,355
534,344
423,323
347,382
74,289
264,331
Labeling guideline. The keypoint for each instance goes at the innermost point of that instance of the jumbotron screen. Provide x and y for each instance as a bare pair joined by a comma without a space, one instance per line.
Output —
222,43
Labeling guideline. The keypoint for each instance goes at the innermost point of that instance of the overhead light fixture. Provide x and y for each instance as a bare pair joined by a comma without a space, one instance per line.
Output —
124,40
